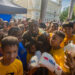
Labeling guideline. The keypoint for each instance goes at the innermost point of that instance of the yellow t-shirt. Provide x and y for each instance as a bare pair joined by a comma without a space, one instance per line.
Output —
66,40
50,34
59,57
41,31
0,44
14,68
29,56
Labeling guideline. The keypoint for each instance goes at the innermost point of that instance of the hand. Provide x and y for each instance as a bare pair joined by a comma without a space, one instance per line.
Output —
1,58
70,61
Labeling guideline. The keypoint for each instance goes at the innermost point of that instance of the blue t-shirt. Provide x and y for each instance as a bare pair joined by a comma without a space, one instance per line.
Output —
22,53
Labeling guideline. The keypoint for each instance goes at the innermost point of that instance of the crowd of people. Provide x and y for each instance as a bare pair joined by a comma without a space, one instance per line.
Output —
20,39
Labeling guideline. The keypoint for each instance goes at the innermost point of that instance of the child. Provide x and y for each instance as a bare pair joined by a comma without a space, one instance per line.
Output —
57,51
22,53
31,50
68,29
53,27
15,31
9,64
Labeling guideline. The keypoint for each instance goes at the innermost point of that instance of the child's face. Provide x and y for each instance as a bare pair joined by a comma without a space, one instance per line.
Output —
68,30
53,27
33,49
55,40
10,53
34,29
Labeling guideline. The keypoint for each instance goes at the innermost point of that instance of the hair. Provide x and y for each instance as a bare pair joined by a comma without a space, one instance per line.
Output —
11,22
13,31
43,43
67,24
55,24
2,35
26,36
9,41
59,33
21,26
32,42
32,22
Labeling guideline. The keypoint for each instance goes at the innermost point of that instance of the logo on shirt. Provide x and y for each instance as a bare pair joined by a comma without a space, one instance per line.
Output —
33,61
50,61
10,73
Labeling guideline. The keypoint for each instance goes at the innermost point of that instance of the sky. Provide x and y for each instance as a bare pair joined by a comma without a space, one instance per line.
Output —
65,3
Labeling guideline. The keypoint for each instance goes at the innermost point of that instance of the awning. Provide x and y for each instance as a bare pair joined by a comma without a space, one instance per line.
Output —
8,7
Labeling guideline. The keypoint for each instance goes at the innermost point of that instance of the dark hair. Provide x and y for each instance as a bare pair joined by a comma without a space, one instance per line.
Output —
59,33
67,24
32,42
2,35
32,22
26,37
9,41
13,31
43,43
55,24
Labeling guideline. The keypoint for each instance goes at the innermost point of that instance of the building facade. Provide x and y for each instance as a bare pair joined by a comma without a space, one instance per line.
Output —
53,11
34,9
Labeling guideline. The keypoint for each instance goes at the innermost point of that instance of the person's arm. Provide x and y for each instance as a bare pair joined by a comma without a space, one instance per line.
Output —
63,73
70,62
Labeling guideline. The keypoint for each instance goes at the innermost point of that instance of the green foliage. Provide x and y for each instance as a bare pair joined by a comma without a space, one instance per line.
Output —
64,14
74,10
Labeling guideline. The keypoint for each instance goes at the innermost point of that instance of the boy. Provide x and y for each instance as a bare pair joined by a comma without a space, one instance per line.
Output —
22,53
31,50
57,51
53,27
15,31
68,30
9,64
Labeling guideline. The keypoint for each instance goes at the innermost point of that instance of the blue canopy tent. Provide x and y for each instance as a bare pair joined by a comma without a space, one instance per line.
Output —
8,8
6,17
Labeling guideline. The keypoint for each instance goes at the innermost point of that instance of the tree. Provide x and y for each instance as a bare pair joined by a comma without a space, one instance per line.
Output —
74,10
64,14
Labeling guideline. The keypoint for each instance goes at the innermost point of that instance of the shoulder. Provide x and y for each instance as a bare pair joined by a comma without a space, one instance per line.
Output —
61,51
19,66
74,35
18,62
73,38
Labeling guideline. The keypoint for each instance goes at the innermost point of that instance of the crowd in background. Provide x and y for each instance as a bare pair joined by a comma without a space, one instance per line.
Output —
20,39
